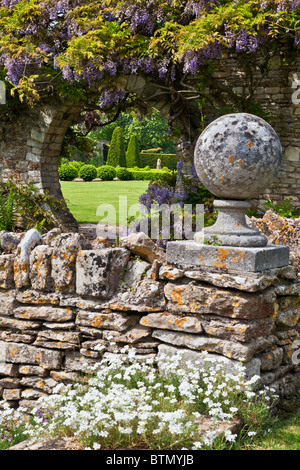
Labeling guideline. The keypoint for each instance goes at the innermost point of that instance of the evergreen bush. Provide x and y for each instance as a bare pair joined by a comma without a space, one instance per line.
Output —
123,174
88,172
67,172
106,172
116,153
133,157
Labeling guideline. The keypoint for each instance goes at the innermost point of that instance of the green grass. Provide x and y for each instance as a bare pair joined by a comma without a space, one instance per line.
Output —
285,432
83,199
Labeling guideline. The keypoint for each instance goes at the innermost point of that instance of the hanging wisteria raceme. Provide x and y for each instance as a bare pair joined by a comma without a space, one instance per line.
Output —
82,41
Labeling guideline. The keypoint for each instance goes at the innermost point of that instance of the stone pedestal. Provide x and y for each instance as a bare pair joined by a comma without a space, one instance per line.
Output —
187,254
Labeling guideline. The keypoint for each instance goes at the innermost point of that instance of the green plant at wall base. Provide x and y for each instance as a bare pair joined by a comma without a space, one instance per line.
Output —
32,207
8,210
116,153
284,209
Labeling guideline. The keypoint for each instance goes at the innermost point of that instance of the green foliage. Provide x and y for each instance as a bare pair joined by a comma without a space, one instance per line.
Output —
88,172
116,153
31,208
147,175
150,159
123,174
67,172
284,209
106,172
152,131
8,210
133,153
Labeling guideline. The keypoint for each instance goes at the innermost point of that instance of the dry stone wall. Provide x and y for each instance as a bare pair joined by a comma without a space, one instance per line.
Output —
62,296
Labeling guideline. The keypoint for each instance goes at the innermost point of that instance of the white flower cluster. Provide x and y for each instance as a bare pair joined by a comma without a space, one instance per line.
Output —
128,399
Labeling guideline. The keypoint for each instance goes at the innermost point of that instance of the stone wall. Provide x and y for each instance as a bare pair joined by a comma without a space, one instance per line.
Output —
64,295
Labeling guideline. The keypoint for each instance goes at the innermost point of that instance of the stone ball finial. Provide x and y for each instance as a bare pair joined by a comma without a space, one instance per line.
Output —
238,156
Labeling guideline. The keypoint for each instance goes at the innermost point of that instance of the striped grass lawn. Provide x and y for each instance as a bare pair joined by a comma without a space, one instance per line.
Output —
84,198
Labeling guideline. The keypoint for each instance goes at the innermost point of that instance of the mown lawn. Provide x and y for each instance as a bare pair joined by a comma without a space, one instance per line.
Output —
83,199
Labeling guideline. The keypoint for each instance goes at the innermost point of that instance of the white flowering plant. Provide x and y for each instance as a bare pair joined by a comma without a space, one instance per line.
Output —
129,401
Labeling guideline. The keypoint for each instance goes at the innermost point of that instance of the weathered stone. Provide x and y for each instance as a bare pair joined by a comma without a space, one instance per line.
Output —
140,244
237,330
239,351
31,239
75,362
7,303
10,322
65,377
50,236
46,385
11,394
9,382
290,289
271,359
188,254
11,336
135,334
135,272
40,268
35,297
112,321
71,338
250,282
48,313
147,296
170,273
65,249
199,298
32,394
168,321
197,358
287,310
10,370
7,271
98,271
9,242
26,354
32,370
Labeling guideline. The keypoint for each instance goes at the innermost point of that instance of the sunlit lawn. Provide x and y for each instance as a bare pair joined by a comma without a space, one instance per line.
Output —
84,198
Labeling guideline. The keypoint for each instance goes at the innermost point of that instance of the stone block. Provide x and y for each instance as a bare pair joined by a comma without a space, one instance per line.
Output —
98,271
229,366
65,249
46,313
189,254
185,298
17,353
169,321
140,244
112,320
40,268
232,349
7,271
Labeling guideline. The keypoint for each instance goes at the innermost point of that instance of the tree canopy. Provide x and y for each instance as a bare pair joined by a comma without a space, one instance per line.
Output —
84,49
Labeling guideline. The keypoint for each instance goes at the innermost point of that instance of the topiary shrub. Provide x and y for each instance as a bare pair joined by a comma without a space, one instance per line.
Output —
88,172
106,172
133,157
67,172
116,153
123,174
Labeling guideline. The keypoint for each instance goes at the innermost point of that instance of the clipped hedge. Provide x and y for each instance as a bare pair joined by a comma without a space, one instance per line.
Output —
67,172
88,172
168,160
124,174
106,172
